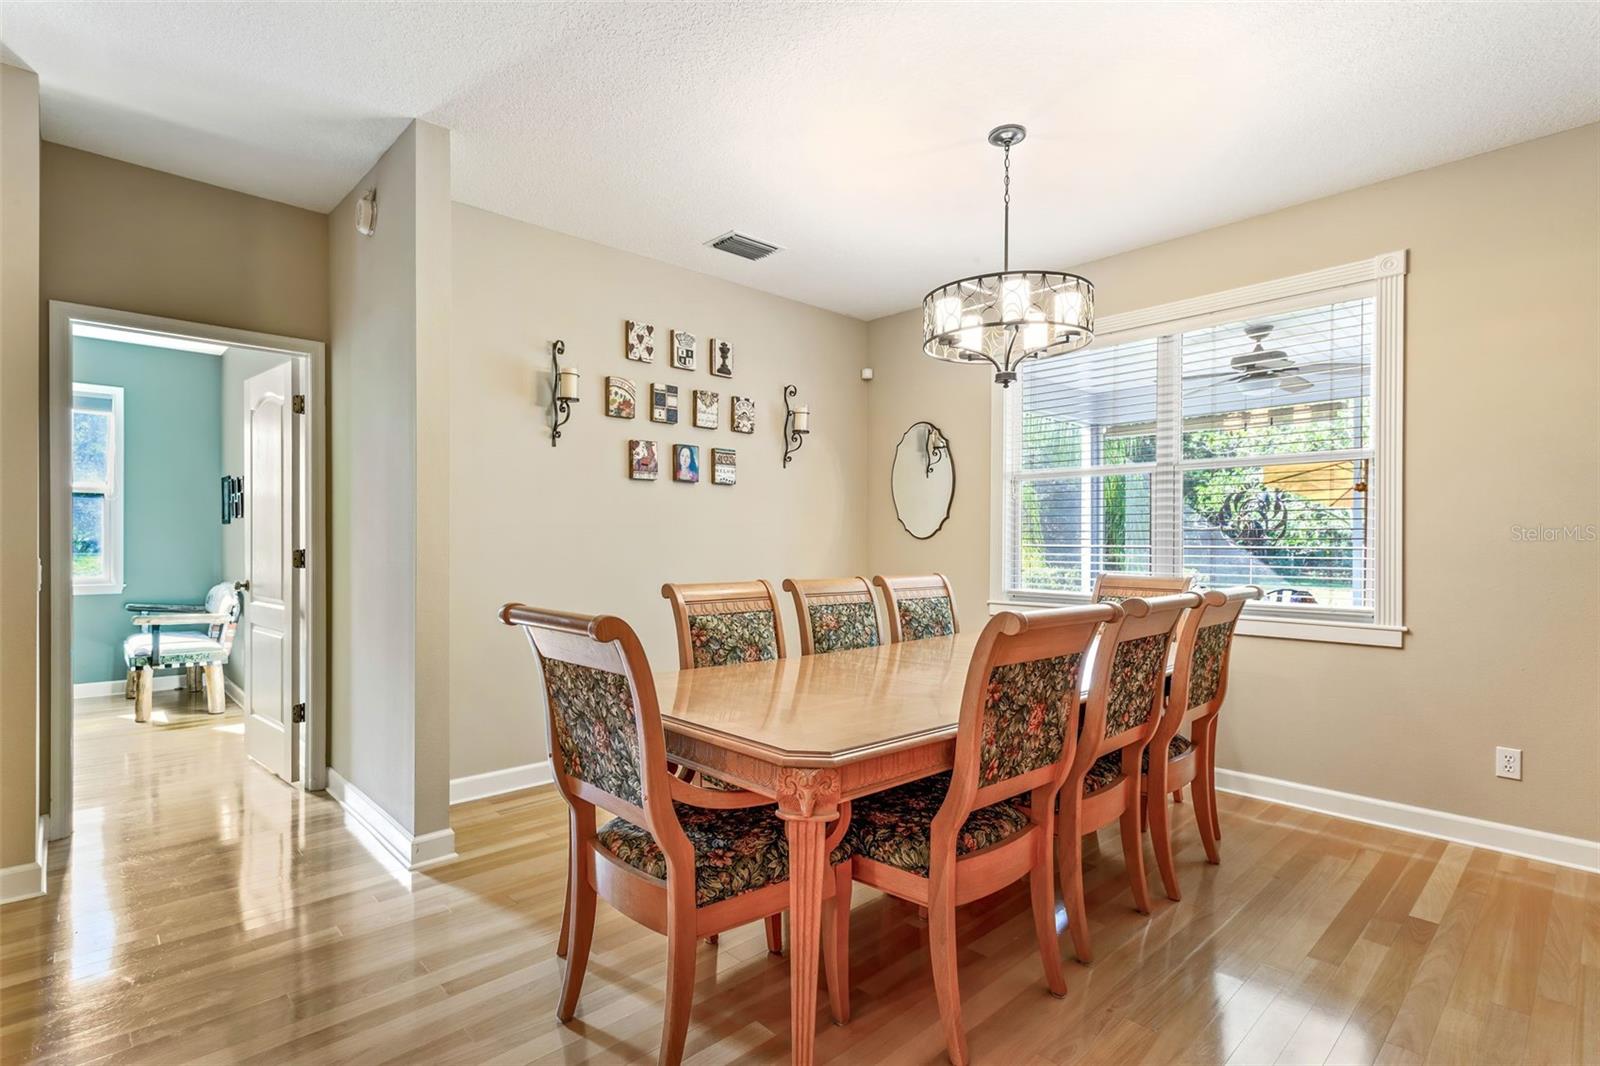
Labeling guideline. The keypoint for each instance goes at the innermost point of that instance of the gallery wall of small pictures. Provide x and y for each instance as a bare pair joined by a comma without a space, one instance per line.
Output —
700,409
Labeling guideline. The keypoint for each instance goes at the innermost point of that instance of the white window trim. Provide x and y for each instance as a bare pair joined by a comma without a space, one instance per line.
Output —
1384,278
111,582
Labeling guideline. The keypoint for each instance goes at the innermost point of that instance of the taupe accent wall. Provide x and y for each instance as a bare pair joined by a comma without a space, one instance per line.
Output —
1501,431
563,526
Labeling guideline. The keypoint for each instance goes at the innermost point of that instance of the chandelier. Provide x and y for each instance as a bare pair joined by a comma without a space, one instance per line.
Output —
1006,317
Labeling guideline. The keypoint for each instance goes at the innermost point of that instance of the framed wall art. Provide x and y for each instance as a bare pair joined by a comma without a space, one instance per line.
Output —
683,349
620,397
686,463
707,409
722,358
664,404
641,346
744,414
642,462
724,466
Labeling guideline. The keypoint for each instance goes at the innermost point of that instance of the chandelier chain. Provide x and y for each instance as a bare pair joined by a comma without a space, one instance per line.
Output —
1006,257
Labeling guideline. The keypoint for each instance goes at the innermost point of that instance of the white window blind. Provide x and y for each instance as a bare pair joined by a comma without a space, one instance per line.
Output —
1238,446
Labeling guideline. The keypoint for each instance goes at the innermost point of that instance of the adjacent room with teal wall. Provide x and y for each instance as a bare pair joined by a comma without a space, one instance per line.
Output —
172,464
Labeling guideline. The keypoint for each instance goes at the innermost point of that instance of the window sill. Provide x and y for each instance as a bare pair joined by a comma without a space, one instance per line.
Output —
1320,630
98,588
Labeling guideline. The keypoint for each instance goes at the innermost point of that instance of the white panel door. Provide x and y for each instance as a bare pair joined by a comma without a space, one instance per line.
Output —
271,616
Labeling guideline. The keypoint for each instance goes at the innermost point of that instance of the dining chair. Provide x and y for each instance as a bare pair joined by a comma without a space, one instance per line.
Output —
719,623
1121,714
919,606
1185,741
1114,588
944,841
676,858
835,613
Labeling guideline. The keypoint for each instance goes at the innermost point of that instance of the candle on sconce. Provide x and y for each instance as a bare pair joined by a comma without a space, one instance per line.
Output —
567,384
802,420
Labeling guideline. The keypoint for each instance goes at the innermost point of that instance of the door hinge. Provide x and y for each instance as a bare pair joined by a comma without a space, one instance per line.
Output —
299,713
299,404
299,558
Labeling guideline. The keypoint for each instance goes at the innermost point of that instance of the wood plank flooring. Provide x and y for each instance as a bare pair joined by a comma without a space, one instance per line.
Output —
204,912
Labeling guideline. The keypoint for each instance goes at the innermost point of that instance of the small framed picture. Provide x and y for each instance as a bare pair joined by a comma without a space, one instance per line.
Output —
707,409
619,398
744,414
686,462
724,466
722,358
642,462
641,342
683,348
664,404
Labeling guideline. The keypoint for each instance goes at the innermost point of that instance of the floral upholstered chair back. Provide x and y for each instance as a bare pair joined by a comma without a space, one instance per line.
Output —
1114,588
1205,641
919,607
1019,712
1129,682
606,743
223,599
725,623
836,614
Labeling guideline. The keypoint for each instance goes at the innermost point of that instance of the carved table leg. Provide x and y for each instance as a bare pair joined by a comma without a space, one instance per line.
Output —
807,800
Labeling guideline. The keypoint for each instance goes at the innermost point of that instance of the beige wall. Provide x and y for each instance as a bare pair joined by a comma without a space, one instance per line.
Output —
389,448
20,720
1502,381
563,527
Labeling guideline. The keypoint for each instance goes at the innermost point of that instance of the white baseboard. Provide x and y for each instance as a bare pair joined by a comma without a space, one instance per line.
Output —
235,693
1496,836
412,852
499,782
86,689
28,879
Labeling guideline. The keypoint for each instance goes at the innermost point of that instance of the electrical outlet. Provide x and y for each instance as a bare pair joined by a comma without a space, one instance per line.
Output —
1508,763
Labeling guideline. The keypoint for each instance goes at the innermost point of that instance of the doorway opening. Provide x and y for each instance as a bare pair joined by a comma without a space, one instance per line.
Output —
186,558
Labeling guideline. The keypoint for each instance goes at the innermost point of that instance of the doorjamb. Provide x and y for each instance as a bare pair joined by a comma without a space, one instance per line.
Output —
313,358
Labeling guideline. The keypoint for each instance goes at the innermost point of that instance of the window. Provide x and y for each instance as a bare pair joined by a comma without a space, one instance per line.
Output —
96,489
1247,438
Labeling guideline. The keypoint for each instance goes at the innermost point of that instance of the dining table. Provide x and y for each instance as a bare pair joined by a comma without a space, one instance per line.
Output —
814,733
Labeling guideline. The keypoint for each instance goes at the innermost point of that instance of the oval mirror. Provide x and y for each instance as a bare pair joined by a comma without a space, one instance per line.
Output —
923,480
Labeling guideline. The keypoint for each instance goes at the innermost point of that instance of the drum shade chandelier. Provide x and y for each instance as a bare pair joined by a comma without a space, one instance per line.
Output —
1007,317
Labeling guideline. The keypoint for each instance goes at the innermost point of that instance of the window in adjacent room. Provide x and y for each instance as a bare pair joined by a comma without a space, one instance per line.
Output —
96,489
1242,443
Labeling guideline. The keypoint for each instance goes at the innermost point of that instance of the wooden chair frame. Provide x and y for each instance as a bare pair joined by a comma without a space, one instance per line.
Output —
1145,586
1120,801
609,643
954,880
1197,767
908,587
690,600
710,598
834,589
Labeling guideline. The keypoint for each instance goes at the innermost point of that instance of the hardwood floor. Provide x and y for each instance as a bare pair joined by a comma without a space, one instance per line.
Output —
205,912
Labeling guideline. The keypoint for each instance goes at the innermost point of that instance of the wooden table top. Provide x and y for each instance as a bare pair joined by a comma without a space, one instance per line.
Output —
825,710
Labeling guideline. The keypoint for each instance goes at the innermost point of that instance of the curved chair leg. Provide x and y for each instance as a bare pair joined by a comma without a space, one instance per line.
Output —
566,914
1133,848
836,944
681,946
942,950
1205,799
1042,889
1177,795
1211,777
1069,858
581,903
775,934
1161,837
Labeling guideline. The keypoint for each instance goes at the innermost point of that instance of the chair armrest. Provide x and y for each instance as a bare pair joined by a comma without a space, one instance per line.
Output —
198,618
695,796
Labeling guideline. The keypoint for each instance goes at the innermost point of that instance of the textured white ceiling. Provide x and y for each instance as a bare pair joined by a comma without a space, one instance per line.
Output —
850,134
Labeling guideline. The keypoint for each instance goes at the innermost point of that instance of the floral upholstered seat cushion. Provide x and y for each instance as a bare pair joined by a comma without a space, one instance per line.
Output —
720,638
1205,666
1106,771
596,733
1137,667
842,626
1025,708
734,851
895,827
1177,748
926,616
177,649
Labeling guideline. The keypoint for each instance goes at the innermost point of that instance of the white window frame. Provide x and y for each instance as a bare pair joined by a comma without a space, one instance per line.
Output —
110,582
1382,278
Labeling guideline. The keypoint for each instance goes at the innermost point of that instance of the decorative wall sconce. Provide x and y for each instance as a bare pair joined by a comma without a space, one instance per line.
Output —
564,391
938,448
796,424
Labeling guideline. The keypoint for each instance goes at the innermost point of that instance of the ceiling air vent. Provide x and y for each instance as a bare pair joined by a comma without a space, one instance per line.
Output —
743,247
